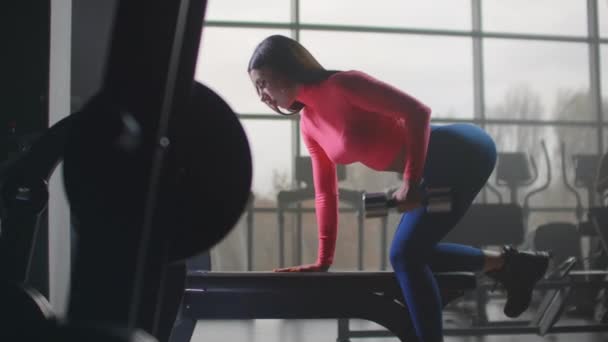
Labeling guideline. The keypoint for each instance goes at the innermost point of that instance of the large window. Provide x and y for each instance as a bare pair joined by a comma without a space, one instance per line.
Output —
222,65
550,17
531,74
434,14
271,152
416,64
527,139
604,78
536,80
247,10
602,6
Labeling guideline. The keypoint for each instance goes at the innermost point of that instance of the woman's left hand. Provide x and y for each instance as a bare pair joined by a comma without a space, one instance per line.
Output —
304,268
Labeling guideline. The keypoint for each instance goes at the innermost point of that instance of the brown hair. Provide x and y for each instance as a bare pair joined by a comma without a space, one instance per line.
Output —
291,60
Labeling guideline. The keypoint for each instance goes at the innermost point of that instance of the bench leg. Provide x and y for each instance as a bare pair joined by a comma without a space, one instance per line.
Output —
390,314
481,301
183,328
343,330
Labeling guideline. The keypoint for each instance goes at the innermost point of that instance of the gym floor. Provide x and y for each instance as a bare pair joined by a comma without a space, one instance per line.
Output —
326,330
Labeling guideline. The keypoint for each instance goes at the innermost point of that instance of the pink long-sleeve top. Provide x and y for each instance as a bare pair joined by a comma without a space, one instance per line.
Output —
353,117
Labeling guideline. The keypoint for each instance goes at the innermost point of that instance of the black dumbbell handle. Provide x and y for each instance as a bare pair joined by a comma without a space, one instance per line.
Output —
391,203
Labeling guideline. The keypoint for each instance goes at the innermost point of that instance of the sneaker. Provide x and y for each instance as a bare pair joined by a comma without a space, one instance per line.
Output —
518,276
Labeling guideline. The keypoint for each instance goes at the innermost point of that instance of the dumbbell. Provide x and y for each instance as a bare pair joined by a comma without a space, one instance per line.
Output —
435,200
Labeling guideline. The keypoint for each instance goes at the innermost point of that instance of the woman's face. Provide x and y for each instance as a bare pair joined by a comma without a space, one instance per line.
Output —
272,88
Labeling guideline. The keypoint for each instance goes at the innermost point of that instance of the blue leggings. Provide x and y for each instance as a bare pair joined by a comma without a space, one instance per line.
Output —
461,156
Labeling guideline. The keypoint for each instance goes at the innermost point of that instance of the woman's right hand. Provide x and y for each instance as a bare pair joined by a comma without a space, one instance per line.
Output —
407,197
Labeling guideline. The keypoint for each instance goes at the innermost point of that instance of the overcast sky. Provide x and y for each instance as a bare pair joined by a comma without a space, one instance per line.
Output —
436,69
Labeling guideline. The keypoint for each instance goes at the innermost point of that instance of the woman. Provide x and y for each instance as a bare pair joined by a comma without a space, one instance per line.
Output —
349,116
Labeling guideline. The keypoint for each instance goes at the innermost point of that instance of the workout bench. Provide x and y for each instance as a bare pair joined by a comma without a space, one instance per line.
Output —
373,296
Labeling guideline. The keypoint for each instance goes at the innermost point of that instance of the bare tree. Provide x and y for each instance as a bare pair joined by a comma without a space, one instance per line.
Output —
280,181
520,103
